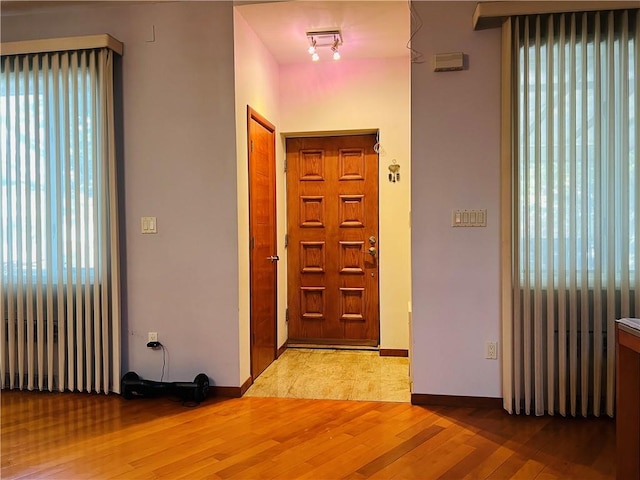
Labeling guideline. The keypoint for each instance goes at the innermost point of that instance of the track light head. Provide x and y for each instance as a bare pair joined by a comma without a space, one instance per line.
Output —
312,46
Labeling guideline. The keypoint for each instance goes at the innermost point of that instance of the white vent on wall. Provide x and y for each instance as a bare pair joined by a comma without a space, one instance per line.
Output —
448,62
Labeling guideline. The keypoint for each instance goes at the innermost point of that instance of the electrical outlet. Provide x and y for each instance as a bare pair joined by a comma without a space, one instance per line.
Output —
153,337
491,350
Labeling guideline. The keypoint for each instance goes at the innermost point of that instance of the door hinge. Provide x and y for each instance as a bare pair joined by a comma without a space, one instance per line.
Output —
251,147
286,315
285,164
252,243
286,240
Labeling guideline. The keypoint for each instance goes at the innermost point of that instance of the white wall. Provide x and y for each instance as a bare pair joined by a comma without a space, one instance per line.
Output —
456,155
257,79
358,95
180,166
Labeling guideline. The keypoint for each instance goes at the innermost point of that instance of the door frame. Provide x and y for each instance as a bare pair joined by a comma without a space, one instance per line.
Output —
253,115
328,133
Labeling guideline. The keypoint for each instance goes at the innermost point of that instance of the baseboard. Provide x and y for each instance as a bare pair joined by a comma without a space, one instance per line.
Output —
393,352
455,401
232,392
334,343
227,392
245,386
281,349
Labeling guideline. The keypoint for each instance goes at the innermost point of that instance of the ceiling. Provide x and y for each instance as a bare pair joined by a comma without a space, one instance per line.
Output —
370,29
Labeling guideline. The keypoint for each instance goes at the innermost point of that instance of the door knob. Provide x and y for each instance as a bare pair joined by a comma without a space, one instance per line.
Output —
273,258
372,251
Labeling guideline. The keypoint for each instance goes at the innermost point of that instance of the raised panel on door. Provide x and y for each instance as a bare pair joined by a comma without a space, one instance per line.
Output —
332,206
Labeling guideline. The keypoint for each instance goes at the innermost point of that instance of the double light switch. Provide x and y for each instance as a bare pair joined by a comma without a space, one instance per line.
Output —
149,225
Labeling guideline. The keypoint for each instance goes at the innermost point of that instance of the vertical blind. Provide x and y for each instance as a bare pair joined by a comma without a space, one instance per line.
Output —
59,298
576,216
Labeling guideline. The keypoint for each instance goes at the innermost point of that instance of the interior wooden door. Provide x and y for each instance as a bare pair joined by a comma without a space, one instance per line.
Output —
263,245
332,205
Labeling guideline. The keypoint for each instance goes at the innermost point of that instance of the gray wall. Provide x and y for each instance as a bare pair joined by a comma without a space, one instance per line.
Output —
455,152
179,164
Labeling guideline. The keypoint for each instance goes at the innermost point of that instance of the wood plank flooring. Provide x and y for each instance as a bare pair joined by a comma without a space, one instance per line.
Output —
69,436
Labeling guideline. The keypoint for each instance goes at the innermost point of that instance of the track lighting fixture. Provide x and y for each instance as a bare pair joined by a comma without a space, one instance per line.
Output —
324,38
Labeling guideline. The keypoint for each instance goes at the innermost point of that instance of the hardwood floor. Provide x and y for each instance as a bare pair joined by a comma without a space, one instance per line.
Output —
69,436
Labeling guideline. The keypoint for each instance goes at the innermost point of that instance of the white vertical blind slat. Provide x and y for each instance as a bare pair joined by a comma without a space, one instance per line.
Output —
623,142
609,125
49,247
572,238
551,187
67,159
103,235
85,281
515,379
114,231
8,357
562,257
526,303
584,211
597,228
537,220
4,167
508,189
76,195
21,247
39,243
29,318
57,150
97,332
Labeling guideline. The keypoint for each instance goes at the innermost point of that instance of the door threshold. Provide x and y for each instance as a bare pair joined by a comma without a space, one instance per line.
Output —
315,346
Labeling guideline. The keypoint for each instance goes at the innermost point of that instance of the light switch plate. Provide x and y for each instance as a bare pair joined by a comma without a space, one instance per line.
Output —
469,218
148,225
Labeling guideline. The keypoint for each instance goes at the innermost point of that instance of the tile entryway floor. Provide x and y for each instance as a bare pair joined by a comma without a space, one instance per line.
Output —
335,375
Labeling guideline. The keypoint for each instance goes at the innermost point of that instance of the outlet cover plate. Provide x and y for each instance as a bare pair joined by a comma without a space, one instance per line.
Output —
491,350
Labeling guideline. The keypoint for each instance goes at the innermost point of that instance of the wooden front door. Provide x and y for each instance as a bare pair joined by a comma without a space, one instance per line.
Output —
332,204
263,246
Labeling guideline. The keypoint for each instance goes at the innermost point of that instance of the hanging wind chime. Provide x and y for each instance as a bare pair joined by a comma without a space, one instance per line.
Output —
394,172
